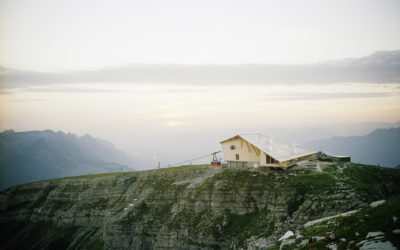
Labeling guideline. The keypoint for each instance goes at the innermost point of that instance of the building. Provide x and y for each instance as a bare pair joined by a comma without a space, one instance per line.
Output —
332,158
256,150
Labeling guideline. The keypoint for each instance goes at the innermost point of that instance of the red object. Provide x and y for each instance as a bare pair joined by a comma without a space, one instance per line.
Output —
215,164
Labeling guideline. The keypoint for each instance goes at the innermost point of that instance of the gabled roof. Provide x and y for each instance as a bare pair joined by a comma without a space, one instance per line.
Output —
278,150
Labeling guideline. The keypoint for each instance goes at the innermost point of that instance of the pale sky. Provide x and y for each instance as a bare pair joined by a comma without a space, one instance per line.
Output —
169,79
83,34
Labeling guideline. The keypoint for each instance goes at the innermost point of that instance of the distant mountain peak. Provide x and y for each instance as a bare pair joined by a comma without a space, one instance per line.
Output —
8,131
37,155
380,147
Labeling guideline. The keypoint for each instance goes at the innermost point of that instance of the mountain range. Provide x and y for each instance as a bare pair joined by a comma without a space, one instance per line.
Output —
39,155
380,147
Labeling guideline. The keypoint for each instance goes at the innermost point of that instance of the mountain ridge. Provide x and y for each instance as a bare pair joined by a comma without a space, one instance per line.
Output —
379,147
37,155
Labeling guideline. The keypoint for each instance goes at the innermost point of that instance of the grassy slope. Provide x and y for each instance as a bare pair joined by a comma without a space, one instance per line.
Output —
369,181
354,228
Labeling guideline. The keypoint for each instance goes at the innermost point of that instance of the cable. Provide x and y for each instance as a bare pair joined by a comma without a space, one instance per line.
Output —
177,164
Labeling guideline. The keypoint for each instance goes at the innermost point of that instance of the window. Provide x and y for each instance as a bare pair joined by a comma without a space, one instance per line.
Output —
237,156
269,160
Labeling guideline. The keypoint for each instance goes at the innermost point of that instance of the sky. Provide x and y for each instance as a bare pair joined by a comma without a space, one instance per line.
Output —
77,34
169,79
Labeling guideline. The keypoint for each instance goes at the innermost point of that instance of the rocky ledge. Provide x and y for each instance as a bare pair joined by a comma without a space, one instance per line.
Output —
188,207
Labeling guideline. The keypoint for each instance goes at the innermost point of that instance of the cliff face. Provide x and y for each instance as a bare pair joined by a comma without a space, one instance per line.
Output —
188,207
373,227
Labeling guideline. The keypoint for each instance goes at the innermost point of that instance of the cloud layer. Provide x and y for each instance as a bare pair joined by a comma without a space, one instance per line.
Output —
380,67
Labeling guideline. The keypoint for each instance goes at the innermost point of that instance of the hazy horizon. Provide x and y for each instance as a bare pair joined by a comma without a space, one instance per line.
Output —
167,79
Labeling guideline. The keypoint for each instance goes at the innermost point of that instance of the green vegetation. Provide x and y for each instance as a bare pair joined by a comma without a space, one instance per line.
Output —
207,186
239,180
347,231
362,222
360,176
241,227
183,168
198,202
312,183
91,176
226,225
307,184
48,237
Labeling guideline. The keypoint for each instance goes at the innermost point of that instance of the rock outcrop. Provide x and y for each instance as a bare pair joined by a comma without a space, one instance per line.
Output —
189,207
366,228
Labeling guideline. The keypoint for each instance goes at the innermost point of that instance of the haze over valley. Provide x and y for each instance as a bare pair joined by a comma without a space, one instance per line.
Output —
260,124
165,82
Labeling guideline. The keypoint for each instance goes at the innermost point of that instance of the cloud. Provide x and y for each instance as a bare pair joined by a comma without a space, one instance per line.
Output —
380,67
324,96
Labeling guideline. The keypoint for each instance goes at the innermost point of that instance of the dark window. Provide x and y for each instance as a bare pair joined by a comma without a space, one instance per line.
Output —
269,159
237,156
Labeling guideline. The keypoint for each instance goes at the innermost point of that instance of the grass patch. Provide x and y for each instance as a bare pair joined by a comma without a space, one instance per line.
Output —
306,184
183,168
362,222
239,228
238,179
317,183
373,180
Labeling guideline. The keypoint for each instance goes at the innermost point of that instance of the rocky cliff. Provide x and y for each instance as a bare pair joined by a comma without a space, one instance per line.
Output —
189,207
374,227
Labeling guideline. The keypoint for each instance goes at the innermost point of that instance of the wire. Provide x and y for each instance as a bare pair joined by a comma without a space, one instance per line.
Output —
177,164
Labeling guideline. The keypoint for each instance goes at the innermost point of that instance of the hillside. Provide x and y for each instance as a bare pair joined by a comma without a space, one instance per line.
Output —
380,147
374,227
38,155
188,207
